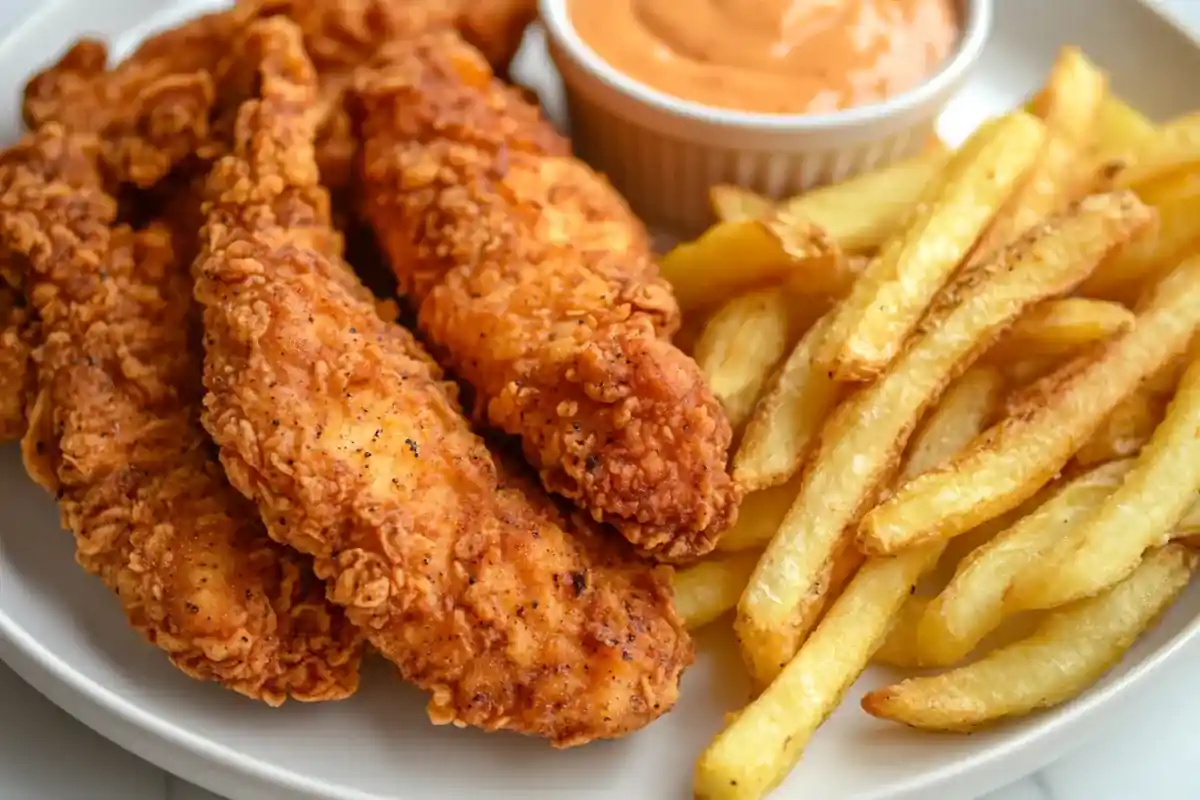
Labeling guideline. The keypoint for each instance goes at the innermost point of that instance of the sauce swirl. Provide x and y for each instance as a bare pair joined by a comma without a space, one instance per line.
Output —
772,56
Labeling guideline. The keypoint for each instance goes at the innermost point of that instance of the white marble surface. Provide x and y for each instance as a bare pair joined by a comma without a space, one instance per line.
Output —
46,755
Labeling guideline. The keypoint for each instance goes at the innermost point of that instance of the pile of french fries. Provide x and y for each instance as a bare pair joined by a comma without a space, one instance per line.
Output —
967,399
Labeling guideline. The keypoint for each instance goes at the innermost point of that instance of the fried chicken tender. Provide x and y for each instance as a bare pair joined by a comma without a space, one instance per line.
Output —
537,284
341,428
114,433
15,373
180,73
150,112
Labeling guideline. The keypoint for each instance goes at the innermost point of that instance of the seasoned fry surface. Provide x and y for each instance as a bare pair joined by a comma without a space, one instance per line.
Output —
1018,455
887,302
1107,546
114,432
340,427
536,284
1068,651
859,447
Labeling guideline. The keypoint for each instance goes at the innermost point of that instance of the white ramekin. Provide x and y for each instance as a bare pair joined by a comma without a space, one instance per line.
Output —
663,153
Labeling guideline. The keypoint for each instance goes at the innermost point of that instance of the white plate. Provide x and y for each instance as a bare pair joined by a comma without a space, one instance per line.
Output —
62,631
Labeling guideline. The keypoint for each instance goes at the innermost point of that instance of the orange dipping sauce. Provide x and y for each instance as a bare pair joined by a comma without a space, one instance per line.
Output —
772,56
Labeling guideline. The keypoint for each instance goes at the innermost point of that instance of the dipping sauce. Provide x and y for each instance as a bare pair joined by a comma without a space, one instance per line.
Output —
772,56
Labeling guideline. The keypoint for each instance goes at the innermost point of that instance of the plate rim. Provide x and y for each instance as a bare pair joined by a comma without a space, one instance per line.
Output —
39,667
203,760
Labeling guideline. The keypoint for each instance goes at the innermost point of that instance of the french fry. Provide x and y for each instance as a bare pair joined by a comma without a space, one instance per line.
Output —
1170,153
735,204
1063,326
828,277
705,591
1124,431
1072,99
1164,382
899,649
1186,125
972,604
864,212
1068,105
1068,652
888,299
1174,238
1024,371
740,346
1120,130
759,517
1189,526
732,257
861,443
1140,514
756,751
1022,453
1050,184
727,259
858,621
784,424
964,413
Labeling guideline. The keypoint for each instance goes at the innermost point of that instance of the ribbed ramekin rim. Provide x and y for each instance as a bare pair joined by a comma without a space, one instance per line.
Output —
977,25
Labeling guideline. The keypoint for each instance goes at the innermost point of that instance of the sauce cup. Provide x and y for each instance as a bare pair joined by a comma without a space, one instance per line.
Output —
663,153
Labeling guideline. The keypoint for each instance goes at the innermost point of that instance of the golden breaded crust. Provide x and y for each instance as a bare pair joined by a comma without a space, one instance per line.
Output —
537,285
340,427
177,93
114,433
16,375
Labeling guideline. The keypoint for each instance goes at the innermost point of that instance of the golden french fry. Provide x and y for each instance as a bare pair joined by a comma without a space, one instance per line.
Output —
1068,652
867,210
1189,527
1175,237
1024,371
860,617
1184,125
735,204
828,276
1072,99
1050,184
759,517
964,413
1142,513
740,346
1124,430
1062,326
784,424
899,649
861,443
766,739
1171,152
1165,381
732,257
972,604
1045,427
1060,174
705,591
888,299
1121,130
